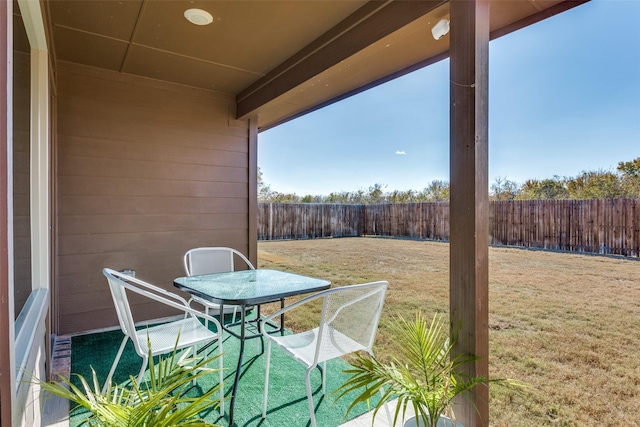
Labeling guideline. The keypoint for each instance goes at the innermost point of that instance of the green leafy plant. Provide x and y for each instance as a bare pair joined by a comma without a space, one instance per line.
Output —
425,377
159,402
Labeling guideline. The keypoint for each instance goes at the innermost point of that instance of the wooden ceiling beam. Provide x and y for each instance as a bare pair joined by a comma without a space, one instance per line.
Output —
537,17
499,32
370,23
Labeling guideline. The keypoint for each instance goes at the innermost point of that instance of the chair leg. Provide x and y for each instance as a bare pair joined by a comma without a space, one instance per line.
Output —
145,360
189,304
221,373
115,363
386,408
266,381
233,317
312,414
261,345
194,350
324,377
206,321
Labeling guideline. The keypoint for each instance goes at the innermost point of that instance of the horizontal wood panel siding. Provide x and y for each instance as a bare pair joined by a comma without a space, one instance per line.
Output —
21,180
158,153
95,205
145,171
593,226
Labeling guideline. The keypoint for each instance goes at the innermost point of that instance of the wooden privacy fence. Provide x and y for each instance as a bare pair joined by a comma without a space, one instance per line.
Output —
298,221
605,226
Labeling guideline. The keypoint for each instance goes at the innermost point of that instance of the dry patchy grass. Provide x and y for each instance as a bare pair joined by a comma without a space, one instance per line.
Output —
567,325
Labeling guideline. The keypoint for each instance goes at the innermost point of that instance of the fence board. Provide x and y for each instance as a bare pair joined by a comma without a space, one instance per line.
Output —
609,226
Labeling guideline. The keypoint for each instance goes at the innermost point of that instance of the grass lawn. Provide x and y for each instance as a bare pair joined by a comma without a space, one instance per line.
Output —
567,325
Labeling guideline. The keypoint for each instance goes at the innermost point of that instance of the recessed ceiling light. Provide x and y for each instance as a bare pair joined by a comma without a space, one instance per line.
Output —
198,16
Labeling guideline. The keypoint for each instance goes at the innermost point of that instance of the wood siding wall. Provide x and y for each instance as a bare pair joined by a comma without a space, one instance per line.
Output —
610,226
145,171
21,179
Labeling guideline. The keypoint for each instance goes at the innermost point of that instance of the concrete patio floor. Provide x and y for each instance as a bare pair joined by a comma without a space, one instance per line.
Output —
382,420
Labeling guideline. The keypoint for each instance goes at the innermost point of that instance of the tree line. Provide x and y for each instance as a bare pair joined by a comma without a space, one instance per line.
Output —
623,182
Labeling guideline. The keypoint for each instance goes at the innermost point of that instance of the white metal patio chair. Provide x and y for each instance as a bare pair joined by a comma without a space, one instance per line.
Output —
199,261
162,338
348,323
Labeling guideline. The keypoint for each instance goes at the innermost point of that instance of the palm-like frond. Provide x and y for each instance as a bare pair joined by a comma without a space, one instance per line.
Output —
425,377
159,403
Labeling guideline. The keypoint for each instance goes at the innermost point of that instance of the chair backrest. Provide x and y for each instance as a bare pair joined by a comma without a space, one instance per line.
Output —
354,311
211,260
119,283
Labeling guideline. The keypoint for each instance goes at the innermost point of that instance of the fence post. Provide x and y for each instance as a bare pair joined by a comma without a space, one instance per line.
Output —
270,228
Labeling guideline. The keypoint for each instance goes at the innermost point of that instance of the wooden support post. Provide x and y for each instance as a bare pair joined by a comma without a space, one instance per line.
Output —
253,191
469,276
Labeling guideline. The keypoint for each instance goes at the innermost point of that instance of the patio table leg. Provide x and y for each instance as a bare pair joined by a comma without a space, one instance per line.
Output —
237,376
282,317
261,343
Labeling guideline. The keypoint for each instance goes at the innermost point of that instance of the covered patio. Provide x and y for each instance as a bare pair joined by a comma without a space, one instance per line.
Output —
130,135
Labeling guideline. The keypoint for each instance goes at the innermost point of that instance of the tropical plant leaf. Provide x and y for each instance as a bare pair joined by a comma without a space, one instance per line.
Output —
425,377
158,402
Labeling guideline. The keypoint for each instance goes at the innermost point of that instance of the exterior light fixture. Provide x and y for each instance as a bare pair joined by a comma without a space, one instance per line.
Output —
440,29
198,16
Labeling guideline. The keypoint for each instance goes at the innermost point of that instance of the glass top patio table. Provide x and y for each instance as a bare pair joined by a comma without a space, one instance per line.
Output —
249,287
246,288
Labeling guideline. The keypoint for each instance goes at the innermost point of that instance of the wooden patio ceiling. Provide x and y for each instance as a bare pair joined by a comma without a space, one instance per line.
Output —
280,59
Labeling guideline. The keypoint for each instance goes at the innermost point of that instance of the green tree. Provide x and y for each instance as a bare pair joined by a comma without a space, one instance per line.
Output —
276,197
358,197
398,196
311,199
504,189
599,184
264,191
630,177
630,169
546,189
436,191
342,197
376,193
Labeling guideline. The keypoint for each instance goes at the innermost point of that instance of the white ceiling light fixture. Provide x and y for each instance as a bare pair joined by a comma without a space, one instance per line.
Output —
440,29
198,16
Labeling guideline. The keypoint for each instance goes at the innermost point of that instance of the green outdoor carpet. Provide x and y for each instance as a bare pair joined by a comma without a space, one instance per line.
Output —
287,404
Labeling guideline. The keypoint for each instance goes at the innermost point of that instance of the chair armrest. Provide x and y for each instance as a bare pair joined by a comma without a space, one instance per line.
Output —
184,307
153,288
244,258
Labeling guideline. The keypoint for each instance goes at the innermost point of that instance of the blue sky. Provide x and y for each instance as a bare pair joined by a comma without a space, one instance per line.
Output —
564,98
